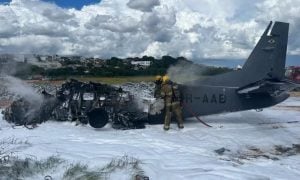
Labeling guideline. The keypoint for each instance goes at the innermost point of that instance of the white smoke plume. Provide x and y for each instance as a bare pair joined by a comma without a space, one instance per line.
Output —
23,90
12,64
184,72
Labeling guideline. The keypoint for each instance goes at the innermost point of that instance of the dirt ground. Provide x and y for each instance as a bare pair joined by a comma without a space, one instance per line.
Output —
5,103
295,94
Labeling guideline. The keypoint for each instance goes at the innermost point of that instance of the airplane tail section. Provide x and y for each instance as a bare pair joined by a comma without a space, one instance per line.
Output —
265,68
267,60
265,63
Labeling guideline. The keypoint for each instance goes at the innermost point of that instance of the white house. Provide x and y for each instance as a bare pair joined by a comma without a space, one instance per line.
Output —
141,63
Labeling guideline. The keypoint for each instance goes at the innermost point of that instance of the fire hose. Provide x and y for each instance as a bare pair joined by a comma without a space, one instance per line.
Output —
192,113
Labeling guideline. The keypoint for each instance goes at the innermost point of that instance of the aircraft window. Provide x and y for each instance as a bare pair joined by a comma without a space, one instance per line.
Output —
88,96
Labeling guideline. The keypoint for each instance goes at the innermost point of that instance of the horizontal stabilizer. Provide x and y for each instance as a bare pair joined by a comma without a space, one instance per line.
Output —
273,88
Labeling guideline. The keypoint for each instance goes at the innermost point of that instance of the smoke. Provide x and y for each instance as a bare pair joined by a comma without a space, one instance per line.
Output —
156,106
7,65
10,64
15,86
32,100
23,90
184,72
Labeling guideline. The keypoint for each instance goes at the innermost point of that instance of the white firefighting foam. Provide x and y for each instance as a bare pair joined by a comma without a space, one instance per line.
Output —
248,139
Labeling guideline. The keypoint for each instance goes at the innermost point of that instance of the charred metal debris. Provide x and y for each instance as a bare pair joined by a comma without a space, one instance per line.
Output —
86,103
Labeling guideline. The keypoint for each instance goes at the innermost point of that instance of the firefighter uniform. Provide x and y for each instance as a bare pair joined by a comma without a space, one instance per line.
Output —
171,95
158,84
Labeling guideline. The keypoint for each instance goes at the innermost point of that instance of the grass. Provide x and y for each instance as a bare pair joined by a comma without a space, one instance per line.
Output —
117,80
81,172
8,146
106,80
129,165
14,167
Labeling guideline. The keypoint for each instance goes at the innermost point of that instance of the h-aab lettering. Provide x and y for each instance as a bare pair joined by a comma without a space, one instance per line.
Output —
221,98
213,99
205,99
188,98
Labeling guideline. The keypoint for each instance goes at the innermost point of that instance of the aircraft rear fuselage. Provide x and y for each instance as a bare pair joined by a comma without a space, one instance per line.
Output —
206,100
259,84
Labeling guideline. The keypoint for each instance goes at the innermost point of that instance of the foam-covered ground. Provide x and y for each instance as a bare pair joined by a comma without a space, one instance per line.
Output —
247,142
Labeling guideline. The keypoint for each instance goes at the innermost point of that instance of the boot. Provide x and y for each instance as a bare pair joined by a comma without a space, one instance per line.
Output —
166,128
180,126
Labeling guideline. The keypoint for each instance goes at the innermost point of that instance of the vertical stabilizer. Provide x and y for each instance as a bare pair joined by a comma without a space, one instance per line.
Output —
267,60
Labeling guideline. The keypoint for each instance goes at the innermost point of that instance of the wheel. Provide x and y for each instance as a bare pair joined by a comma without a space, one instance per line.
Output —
98,118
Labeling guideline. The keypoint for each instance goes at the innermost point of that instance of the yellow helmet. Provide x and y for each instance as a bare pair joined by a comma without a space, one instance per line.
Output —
158,77
166,78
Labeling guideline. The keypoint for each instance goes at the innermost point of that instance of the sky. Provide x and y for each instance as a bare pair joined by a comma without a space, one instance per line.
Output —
195,29
77,4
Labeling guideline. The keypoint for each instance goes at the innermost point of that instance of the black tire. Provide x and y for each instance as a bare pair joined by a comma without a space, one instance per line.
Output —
98,118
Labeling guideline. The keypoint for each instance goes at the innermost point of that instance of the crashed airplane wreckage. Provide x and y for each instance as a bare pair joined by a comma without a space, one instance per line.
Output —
87,103
259,84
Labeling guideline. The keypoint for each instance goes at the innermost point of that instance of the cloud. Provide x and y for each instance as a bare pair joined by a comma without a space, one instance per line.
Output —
195,29
159,24
286,11
8,23
113,24
142,5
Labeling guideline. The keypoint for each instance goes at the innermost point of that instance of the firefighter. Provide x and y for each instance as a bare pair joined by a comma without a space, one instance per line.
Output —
171,95
158,84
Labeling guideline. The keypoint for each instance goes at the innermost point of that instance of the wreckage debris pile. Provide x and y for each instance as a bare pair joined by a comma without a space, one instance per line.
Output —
49,88
80,102
141,90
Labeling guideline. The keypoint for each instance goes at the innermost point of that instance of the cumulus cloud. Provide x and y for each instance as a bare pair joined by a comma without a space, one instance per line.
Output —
115,24
159,24
142,5
195,29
